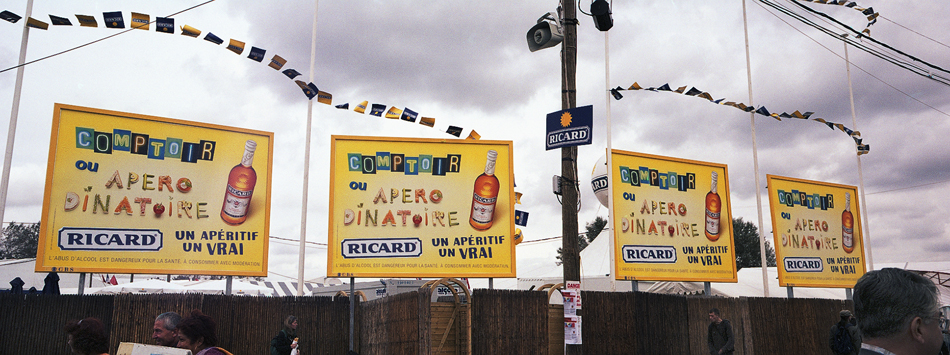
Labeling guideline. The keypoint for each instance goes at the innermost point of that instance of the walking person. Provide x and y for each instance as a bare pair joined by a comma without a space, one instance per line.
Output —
285,341
845,338
720,338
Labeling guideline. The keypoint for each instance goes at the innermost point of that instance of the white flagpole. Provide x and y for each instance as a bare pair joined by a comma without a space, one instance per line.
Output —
864,204
14,112
755,158
306,160
610,198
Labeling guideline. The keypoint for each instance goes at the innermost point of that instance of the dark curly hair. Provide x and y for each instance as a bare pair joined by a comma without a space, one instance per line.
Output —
89,336
199,326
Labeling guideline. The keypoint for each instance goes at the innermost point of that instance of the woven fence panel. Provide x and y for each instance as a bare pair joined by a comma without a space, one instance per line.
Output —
509,322
793,326
390,325
34,324
634,323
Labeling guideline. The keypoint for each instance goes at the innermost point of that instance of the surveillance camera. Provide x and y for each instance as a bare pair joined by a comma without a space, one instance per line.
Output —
547,33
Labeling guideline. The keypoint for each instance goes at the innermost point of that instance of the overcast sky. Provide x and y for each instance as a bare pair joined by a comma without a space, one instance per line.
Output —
467,64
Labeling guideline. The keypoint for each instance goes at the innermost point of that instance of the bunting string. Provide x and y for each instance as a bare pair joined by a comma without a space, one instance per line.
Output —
761,110
869,12
140,21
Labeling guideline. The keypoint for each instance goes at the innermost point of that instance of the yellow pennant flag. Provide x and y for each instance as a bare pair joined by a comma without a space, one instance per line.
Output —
474,136
236,46
361,108
427,121
635,86
393,113
190,31
277,62
140,21
32,22
87,21
324,97
518,198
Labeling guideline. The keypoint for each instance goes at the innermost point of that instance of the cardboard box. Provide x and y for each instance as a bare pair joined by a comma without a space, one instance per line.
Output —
143,349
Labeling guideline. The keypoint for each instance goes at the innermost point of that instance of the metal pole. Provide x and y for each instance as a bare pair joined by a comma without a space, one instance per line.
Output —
227,285
569,187
491,283
634,285
707,288
610,195
791,291
864,204
848,294
301,254
82,283
14,112
755,158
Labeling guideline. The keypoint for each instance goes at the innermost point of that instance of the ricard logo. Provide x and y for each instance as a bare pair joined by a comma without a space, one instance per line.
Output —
800,264
649,254
382,248
110,239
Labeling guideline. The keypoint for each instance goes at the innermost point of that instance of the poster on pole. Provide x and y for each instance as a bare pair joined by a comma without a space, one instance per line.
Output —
816,228
404,207
672,220
130,193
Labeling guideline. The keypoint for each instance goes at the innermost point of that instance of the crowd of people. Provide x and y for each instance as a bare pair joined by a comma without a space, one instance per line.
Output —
196,332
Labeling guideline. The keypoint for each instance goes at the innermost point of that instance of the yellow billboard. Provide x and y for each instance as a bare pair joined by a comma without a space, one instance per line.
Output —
129,193
672,219
816,228
420,208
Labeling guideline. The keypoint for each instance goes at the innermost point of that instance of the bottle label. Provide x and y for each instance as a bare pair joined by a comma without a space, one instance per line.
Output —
712,222
847,237
483,209
236,202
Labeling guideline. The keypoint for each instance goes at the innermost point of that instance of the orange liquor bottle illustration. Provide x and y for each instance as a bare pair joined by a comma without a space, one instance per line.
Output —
485,195
241,181
713,210
847,225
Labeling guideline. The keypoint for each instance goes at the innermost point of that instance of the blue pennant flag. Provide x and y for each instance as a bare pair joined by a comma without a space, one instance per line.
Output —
521,218
113,19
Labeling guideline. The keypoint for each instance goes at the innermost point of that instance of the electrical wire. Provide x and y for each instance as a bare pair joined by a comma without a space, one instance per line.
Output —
99,40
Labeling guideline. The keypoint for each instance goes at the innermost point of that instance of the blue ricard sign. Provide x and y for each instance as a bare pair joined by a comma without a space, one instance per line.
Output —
569,127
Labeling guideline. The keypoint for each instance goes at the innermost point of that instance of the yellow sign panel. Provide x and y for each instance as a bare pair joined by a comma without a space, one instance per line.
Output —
128,193
817,233
420,208
672,219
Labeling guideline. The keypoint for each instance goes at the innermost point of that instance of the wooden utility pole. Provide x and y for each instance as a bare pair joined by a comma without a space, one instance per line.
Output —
570,256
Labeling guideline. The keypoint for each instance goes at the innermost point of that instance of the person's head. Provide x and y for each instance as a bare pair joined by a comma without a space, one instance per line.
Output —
845,315
900,308
714,315
87,336
291,323
165,329
196,332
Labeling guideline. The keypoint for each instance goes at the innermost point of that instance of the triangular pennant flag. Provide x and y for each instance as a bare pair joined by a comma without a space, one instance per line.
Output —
775,116
807,114
518,237
113,281
210,37
291,73
361,108
427,121
256,54
819,119
635,86
140,21
518,198
681,89
868,11
59,21
408,115
308,89
277,62
474,136
324,97
718,100
830,125
616,94
165,25
9,16
797,114
839,126
705,95
87,21
665,87
190,31
762,111
521,218
236,46
693,92
32,22
785,115
393,113
455,131
113,19
377,110
851,4
345,106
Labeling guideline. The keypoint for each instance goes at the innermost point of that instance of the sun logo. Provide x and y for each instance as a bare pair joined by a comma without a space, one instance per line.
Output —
566,119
